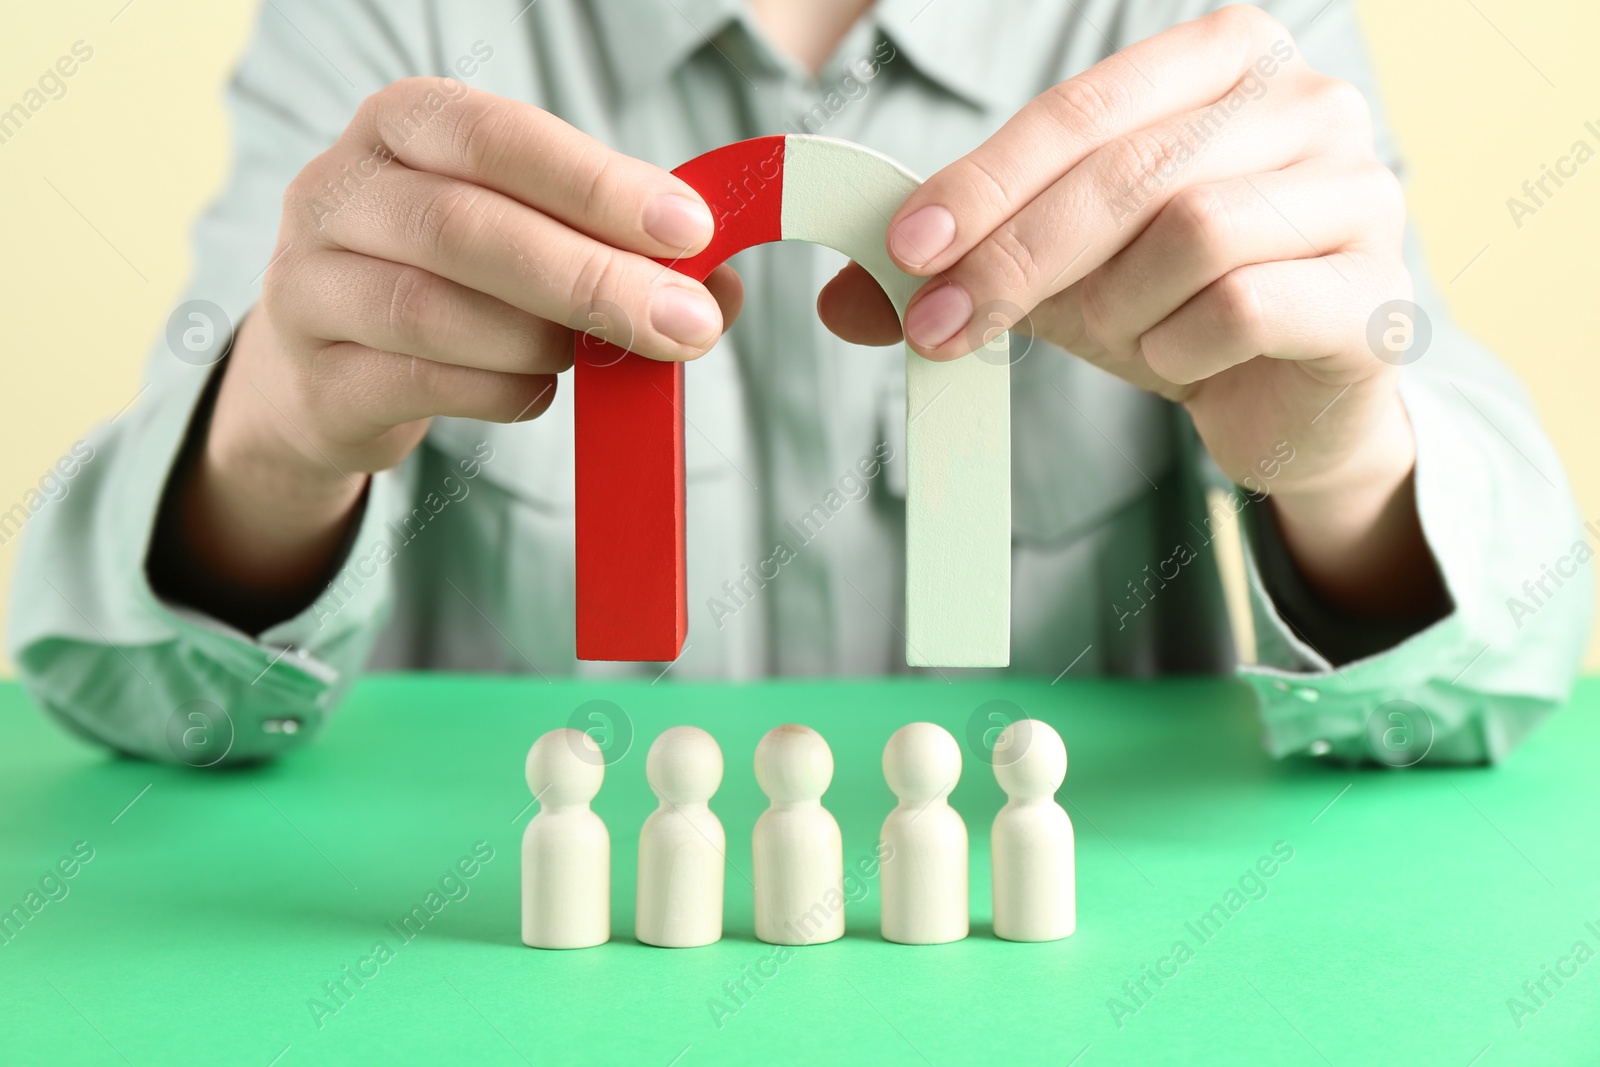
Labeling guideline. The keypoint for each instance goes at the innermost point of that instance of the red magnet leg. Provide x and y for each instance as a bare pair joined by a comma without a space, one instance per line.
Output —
632,582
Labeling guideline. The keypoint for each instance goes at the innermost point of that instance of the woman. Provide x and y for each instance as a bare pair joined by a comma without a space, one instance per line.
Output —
1197,223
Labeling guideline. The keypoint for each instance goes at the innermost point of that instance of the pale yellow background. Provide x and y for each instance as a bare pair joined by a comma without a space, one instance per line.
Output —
90,269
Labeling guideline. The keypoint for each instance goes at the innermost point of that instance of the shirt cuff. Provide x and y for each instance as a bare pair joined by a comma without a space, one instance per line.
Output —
1396,694
101,650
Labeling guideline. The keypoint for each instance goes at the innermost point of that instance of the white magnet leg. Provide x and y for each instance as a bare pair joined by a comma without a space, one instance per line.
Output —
958,418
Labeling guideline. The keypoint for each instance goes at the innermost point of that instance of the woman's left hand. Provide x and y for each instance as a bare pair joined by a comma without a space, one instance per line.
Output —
1202,214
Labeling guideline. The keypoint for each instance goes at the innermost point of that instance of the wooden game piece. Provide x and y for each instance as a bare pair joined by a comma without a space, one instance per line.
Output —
1031,845
631,573
796,851
682,847
923,876
566,851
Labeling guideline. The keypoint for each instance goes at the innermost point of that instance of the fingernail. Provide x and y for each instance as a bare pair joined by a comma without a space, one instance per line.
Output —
678,221
937,316
922,235
688,317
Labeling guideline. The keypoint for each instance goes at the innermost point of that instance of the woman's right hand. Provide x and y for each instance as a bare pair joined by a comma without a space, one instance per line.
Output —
434,261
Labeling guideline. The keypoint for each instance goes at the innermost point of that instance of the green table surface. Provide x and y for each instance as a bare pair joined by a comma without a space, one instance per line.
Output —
217,904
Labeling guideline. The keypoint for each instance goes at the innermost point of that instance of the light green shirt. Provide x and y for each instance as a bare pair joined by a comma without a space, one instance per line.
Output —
464,557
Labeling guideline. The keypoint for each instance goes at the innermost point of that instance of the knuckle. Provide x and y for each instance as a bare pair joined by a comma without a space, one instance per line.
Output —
302,205
1344,103
594,170
989,185
409,302
479,134
278,280
1238,308
1014,262
439,223
1087,106
1198,218
298,293
598,279
294,193
1142,156
320,382
400,105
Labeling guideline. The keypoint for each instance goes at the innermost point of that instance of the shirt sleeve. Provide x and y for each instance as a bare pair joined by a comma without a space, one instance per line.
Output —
1499,519
95,646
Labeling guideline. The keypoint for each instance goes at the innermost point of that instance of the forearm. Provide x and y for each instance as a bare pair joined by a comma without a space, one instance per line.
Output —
1355,534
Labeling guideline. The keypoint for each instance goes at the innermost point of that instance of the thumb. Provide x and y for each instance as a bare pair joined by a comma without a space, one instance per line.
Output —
854,306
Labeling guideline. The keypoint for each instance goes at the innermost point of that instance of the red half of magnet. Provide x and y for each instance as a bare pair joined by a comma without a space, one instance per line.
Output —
632,592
